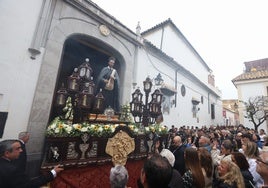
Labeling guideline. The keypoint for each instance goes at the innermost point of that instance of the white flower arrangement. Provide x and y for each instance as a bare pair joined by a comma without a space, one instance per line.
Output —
156,128
60,128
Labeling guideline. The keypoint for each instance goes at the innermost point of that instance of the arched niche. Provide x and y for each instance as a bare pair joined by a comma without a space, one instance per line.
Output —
76,49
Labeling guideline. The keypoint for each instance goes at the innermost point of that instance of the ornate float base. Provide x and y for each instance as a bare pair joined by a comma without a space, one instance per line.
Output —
95,176
86,160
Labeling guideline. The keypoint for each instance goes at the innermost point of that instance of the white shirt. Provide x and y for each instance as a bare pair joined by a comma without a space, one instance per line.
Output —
256,176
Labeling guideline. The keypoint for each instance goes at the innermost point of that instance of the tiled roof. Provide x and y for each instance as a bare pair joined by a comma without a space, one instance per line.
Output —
252,75
260,64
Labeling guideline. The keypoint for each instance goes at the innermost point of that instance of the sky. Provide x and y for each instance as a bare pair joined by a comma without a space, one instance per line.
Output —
225,33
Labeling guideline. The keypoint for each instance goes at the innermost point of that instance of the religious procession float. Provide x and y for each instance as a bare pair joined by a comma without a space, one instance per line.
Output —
85,132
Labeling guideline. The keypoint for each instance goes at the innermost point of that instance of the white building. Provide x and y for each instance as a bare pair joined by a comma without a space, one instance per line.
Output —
230,112
42,41
166,51
252,83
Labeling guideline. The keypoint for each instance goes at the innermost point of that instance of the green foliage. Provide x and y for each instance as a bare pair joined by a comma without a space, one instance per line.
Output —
126,114
68,110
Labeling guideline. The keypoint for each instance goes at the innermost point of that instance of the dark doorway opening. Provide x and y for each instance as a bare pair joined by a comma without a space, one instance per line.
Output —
76,49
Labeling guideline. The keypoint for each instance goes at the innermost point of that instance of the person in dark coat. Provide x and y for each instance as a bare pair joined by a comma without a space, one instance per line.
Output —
156,172
241,161
177,149
11,176
22,160
176,180
111,94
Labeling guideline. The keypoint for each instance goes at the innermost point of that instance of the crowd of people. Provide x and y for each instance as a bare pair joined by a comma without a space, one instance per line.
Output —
214,157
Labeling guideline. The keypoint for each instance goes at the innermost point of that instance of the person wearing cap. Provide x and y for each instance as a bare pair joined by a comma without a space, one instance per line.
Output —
176,179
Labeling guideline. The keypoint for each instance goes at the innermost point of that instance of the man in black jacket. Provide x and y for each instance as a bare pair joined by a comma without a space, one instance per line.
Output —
177,149
11,176
22,160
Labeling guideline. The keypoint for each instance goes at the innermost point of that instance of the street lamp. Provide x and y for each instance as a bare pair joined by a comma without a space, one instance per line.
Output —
148,112
73,81
99,103
136,104
85,71
158,80
80,88
147,85
85,97
61,98
155,104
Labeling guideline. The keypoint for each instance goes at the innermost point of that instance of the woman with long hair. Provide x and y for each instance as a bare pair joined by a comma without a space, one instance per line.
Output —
193,177
251,152
241,161
229,176
206,165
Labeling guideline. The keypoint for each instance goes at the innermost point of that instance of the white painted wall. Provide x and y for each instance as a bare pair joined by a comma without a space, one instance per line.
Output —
18,73
176,47
246,90
230,116
148,65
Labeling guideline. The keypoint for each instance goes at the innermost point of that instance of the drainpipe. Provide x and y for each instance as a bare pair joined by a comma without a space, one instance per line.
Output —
208,103
162,36
134,73
176,86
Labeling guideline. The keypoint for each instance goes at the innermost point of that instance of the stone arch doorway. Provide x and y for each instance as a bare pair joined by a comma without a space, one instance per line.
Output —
79,21
76,49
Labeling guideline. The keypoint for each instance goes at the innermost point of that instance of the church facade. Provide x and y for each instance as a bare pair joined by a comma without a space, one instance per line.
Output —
45,40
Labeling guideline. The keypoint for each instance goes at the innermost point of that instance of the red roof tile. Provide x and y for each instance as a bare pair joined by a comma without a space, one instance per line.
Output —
252,75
